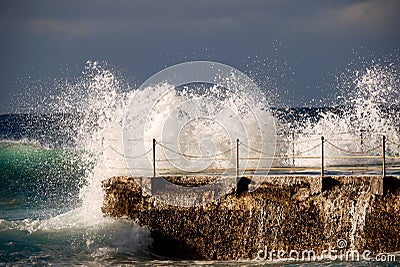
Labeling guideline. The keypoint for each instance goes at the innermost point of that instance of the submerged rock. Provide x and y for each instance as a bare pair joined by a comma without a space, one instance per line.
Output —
284,213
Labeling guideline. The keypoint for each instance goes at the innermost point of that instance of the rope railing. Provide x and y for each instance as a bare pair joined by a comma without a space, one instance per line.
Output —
130,157
353,157
297,154
378,152
393,142
338,133
194,156
308,150
393,157
254,150
353,152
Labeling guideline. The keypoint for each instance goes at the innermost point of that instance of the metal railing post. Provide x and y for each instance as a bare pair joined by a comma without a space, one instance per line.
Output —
293,147
322,157
102,146
154,158
383,155
237,158
361,140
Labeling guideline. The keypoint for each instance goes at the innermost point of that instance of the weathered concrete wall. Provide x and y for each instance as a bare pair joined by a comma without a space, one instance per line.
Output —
283,213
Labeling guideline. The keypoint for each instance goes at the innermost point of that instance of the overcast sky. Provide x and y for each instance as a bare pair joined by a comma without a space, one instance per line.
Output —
303,43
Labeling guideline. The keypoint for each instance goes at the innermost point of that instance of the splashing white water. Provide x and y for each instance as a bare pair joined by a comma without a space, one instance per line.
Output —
358,123
98,99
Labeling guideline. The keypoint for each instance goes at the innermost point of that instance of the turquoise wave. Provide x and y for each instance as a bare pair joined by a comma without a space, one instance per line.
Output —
33,178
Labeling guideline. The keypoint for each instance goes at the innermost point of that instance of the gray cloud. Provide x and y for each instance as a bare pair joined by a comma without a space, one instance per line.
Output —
142,36
91,18
374,17
60,28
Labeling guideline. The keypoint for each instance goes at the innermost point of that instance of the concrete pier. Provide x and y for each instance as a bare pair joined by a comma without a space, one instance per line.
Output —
284,213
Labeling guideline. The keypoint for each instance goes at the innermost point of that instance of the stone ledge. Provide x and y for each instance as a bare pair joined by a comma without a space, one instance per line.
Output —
283,213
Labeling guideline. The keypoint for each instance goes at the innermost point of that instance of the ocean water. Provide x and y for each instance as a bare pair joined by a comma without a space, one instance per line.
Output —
54,157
